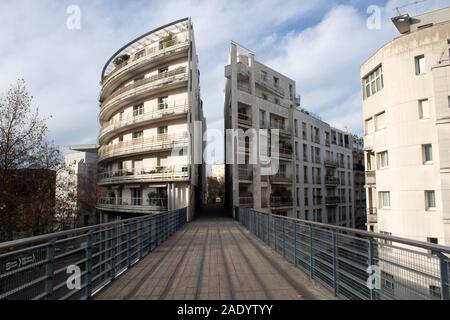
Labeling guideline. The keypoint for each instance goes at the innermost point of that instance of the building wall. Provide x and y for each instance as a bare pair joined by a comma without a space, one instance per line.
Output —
404,134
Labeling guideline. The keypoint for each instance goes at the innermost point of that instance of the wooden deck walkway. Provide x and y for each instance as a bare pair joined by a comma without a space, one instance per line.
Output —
213,258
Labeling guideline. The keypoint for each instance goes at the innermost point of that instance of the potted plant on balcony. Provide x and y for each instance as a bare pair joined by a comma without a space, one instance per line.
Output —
120,60
167,41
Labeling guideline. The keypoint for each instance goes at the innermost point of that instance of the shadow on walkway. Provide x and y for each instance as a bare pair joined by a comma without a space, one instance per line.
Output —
212,211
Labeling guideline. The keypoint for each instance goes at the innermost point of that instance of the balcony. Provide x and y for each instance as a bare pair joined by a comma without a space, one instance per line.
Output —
157,174
371,178
297,100
133,205
149,55
331,164
145,85
331,181
244,87
281,178
246,201
245,173
332,201
160,142
244,119
271,87
316,139
372,215
282,128
159,112
279,202
242,71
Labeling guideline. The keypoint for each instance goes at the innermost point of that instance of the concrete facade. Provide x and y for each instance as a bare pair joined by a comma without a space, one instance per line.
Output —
150,101
406,88
315,175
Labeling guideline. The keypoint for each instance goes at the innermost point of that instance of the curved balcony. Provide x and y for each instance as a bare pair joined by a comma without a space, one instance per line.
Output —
156,174
133,205
142,88
159,112
160,142
144,59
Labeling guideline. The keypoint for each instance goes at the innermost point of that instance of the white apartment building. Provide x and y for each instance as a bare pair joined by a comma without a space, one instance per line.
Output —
315,179
83,163
406,91
150,99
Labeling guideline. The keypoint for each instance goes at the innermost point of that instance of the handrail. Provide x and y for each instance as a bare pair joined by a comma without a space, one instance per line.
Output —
414,243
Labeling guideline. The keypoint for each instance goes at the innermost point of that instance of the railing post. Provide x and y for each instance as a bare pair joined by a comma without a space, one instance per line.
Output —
89,264
128,231
295,243
49,269
311,252
335,262
284,238
113,251
139,239
444,276
372,262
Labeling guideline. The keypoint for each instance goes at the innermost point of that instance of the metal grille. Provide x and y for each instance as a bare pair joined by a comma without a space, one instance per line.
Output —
42,267
356,264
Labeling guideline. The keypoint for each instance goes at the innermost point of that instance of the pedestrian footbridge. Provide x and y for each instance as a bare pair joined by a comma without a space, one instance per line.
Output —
255,256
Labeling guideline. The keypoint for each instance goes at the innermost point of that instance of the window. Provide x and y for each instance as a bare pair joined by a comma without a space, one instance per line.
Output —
427,153
296,127
162,130
139,54
262,118
373,82
430,200
433,241
276,81
264,96
385,199
162,103
420,65
276,100
380,121
263,75
138,110
449,101
163,70
435,292
387,281
383,160
424,109
137,135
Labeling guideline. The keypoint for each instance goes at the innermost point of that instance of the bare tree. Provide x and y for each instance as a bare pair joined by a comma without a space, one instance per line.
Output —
24,146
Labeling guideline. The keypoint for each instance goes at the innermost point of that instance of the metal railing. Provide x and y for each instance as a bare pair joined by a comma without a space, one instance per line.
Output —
145,205
41,267
356,264
147,144
157,112
174,173
179,73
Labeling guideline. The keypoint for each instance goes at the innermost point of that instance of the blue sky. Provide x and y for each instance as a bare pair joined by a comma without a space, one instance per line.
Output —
319,43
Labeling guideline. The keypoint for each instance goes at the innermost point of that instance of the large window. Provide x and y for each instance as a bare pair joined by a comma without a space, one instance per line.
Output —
430,200
424,109
369,127
380,121
427,153
385,199
383,160
420,65
373,82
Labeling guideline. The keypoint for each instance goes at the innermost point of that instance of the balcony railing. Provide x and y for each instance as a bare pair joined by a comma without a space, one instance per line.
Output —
331,181
332,200
147,56
246,201
159,111
244,88
133,204
175,173
245,173
274,88
339,257
331,163
156,80
281,178
154,143
371,178
282,128
244,119
277,202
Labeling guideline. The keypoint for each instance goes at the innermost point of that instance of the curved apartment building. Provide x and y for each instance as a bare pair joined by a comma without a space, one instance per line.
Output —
406,88
149,103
